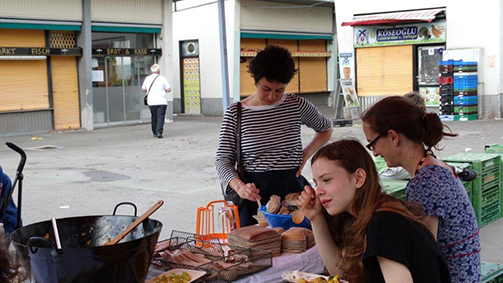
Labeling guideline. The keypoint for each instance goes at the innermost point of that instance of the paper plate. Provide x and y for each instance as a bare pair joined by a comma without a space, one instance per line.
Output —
294,276
194,274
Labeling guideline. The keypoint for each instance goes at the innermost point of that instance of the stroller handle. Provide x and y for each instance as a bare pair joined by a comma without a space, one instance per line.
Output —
21,152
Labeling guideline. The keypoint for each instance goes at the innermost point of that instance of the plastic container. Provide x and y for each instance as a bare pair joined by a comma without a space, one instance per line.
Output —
491,272
395,188
465,100
464,110
282,220
469,117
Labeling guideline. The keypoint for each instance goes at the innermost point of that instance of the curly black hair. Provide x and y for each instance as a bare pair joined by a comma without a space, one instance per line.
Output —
274,63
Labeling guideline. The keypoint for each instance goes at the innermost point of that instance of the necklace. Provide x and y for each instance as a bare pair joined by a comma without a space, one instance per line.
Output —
420,163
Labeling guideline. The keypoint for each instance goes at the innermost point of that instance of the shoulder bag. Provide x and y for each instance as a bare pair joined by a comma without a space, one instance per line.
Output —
145,98
228,193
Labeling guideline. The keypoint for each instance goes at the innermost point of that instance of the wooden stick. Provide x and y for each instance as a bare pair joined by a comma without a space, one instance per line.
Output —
136,223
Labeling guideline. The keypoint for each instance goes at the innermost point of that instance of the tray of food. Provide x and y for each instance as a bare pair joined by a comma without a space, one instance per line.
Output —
220,263
178,275
303,277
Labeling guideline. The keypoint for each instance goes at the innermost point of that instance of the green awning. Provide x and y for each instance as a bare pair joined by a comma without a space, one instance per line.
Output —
125,29
285,36
39,26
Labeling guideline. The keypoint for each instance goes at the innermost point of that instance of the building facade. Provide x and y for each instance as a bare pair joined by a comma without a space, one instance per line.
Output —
305,27
69,64
395,47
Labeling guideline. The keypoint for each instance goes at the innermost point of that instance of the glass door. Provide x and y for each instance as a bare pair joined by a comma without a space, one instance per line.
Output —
116,97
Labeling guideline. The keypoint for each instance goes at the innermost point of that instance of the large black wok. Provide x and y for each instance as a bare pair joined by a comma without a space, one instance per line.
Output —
82,258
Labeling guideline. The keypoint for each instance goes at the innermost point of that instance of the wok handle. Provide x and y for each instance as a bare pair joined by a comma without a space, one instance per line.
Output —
136,223
124,203
34,248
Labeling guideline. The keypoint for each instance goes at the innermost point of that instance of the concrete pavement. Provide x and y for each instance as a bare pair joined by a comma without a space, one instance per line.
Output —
78,173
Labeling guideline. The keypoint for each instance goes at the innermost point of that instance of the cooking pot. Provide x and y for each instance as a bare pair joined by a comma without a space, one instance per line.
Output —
82,257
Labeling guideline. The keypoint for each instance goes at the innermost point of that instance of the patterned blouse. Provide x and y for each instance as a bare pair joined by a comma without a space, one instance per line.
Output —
443,195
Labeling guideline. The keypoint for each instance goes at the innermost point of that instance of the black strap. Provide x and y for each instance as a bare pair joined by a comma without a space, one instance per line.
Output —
152,84
239,162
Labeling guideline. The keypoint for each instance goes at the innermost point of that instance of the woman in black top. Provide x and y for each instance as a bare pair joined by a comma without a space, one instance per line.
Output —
363,234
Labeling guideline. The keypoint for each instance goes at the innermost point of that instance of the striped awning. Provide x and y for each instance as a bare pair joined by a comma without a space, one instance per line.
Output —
396,17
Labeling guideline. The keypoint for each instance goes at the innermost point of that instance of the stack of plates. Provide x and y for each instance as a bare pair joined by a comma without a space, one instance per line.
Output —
297,240
256,237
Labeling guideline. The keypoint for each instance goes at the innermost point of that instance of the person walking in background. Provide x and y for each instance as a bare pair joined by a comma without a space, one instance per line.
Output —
271,145
157,88
399,131
363,234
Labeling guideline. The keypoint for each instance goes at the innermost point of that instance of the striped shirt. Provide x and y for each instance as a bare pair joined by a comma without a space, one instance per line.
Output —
270,136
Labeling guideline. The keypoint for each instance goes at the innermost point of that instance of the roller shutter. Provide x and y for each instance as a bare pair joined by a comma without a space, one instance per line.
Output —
382,71
313,70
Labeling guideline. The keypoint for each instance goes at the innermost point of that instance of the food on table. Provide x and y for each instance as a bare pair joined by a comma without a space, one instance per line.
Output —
274,204
333,279
174,278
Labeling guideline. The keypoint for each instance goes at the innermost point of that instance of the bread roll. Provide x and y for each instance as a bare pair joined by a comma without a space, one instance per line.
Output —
293,235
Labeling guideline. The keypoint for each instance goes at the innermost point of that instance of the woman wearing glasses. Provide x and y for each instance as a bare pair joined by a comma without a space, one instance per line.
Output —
271,145
404,134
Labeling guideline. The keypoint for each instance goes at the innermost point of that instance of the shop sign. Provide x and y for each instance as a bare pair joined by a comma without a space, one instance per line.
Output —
419,33
347,65
126,52
349,93
252,53
39,51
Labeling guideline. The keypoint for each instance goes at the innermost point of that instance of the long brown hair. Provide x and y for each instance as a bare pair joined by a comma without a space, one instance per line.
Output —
348,232
402,115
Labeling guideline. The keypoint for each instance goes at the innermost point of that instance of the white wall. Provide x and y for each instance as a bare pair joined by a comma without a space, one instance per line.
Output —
201,23
468,26
47,10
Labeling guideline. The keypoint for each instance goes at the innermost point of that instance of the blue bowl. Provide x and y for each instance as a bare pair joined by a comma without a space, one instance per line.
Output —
284,221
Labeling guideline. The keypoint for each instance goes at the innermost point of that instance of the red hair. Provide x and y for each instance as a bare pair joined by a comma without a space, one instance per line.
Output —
348,232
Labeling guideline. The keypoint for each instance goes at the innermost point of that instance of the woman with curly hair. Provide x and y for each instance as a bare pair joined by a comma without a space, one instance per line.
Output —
363,234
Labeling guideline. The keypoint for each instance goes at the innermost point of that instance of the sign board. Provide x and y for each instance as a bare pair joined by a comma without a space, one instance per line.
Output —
39,51
419,33
347,65
349,93
126,52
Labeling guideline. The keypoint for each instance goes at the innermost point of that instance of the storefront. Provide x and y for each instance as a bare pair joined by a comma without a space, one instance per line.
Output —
121,62
75,65
412,37
306,29
38,78
399,52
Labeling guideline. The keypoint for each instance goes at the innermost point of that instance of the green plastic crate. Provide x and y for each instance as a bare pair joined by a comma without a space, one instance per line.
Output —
497,149
491,272
469,117
494,148
468,185
487,186
464,110
395,188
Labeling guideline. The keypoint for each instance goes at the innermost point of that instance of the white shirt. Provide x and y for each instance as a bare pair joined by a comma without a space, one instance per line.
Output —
158,94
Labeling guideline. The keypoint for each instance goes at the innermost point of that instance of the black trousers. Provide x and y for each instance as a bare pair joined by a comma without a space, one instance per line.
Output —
158,113
279,183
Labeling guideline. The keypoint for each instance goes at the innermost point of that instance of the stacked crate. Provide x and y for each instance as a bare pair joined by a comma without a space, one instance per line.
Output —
446,81
395,188
465,90
486,188
497,149
468,185
491,272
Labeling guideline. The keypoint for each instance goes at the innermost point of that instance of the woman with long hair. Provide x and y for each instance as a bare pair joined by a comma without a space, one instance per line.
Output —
404,134
363,234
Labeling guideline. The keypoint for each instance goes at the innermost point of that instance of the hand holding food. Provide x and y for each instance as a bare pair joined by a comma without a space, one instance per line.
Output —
313,208
248,191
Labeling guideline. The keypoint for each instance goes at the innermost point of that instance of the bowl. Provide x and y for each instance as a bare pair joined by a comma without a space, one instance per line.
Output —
282,220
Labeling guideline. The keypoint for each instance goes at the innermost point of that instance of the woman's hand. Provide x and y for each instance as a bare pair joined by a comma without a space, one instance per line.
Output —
314,207
248,191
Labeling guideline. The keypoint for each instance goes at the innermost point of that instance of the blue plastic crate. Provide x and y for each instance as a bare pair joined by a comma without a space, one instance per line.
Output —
465,100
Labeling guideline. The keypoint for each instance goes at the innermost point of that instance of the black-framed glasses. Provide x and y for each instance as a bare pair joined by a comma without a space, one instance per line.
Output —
370,145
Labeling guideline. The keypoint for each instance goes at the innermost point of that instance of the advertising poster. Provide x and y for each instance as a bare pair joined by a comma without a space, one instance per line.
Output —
431,95
347,65
349,93
420,33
